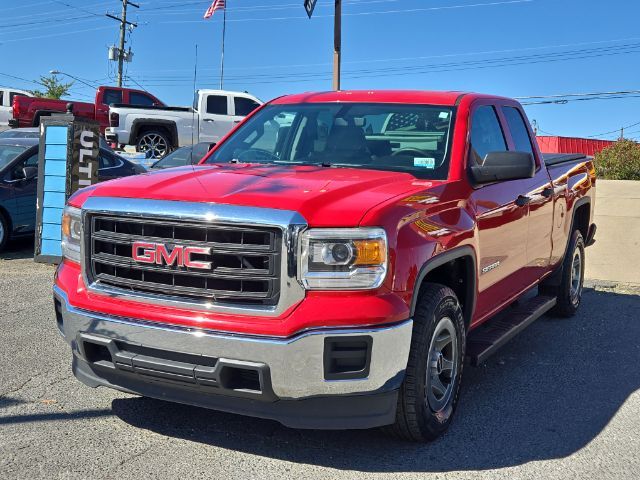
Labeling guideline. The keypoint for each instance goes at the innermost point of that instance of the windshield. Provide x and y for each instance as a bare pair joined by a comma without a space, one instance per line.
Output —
404,138
8,153
20,133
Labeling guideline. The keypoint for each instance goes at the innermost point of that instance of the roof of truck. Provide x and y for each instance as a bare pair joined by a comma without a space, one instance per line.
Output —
374,96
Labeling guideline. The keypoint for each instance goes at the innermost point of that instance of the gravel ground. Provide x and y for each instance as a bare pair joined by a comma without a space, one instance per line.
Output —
560,401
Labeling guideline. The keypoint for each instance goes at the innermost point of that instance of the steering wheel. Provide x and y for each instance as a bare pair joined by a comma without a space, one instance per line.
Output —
259,154
409,152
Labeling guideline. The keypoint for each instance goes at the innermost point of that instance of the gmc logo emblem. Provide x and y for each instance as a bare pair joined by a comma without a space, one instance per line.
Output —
179,256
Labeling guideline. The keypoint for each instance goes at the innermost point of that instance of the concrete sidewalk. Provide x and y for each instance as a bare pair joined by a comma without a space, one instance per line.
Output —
616,254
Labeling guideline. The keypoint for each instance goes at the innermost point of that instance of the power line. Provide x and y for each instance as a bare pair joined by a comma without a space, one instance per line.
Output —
77,8
386,12
421,69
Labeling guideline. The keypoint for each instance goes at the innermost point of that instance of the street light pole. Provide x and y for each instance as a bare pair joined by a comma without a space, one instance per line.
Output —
337,44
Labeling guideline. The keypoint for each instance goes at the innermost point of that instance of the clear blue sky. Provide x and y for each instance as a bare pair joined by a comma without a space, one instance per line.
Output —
506,47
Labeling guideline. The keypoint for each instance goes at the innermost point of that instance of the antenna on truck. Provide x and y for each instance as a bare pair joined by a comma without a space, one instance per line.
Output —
193,109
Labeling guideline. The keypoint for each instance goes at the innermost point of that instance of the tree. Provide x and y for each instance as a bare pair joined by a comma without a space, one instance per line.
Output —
619,161
53,88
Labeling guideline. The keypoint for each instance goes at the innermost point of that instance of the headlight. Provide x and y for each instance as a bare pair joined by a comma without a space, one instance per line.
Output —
343,258
71,233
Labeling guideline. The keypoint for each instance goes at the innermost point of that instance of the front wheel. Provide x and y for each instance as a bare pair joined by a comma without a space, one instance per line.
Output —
156,142
429,394
4,232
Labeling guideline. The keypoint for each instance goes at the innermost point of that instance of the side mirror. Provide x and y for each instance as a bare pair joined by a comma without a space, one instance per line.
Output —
30,173
499,166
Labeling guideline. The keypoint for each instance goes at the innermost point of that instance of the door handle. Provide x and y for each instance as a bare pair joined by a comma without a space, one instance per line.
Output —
522,200
237,121
209,120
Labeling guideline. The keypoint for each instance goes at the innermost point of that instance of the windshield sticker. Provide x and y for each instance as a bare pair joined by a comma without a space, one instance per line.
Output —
443,115
424,162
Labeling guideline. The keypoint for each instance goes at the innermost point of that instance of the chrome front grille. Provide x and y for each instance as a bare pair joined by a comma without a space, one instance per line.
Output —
245,260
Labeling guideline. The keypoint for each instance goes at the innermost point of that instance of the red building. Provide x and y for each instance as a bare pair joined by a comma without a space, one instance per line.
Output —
586,146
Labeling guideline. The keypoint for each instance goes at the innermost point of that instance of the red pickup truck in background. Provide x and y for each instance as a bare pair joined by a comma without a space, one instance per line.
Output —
331,263
27,111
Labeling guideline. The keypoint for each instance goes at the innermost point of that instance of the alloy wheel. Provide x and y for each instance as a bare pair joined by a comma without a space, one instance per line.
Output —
155,143
442,365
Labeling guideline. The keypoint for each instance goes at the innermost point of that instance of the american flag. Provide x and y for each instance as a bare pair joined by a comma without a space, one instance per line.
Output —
216,5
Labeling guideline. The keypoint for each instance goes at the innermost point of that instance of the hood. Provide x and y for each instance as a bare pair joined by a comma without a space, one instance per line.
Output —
323,196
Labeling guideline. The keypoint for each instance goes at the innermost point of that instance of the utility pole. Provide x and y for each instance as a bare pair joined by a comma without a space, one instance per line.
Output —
123,28
337,44
621,133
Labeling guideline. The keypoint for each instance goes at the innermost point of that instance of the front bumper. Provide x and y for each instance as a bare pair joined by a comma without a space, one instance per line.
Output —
295,380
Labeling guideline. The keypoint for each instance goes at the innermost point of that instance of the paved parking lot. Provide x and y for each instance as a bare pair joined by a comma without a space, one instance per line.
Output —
560,401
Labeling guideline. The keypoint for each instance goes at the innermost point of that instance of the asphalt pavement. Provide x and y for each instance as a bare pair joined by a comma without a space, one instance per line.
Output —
562,400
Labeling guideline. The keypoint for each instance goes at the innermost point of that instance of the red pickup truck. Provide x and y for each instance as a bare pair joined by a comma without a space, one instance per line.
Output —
331,263
27,111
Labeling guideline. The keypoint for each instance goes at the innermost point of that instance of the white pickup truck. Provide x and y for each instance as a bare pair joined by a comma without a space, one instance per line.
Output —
6,101
162,129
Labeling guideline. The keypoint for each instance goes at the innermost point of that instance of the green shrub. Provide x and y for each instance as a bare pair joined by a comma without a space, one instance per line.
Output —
620,161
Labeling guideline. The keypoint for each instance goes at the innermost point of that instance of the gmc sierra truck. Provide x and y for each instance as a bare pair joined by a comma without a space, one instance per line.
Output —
335,270
27,111
160,130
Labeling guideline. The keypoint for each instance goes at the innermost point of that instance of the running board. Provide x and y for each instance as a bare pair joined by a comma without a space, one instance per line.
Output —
489,337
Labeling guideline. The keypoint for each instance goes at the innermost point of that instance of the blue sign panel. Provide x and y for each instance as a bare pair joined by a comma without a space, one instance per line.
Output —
54,188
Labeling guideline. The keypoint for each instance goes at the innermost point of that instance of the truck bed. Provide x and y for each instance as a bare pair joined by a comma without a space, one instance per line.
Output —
557,158
153,107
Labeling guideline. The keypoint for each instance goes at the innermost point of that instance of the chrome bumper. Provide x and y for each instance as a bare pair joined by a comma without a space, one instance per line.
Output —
295,365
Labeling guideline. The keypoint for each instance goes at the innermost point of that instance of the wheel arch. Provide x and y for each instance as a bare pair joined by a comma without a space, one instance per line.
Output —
143,125
580,219
38,114
446,268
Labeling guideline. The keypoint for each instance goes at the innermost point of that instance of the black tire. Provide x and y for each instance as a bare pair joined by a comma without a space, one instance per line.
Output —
420,416
158,141
569,292
4,232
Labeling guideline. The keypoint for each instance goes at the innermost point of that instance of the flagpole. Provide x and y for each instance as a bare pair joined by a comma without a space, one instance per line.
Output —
224,28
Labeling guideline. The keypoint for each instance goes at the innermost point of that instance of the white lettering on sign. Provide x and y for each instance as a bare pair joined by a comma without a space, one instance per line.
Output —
87,141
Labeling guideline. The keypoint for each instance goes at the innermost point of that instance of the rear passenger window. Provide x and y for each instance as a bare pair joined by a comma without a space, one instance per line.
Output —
140,99
244,106
217,105
112,97
518,130
486,134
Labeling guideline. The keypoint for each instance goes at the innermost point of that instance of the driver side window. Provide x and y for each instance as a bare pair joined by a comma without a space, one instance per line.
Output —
486,134
17,171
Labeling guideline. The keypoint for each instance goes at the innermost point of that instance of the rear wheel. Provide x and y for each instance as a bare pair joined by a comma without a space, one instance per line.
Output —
429,393
154,141
4,232
569,292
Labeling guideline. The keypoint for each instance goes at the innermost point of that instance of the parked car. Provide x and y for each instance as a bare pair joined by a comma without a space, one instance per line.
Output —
28,111
34,132
190,155
162,129
7,95
334,272
18,183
